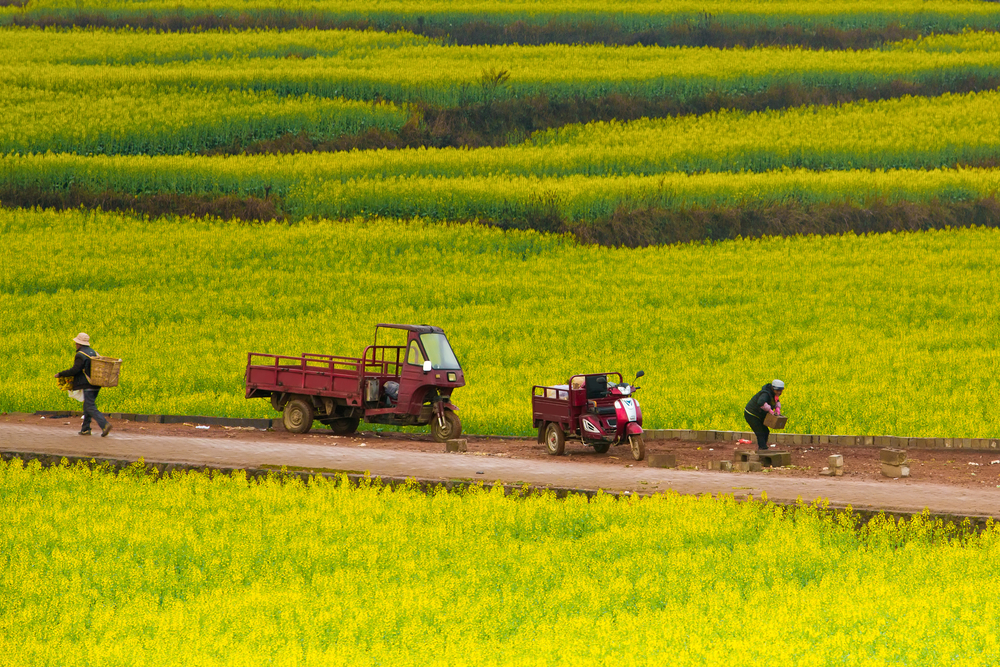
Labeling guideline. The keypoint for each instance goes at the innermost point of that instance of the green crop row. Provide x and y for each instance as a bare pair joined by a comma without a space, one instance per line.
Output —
366,67
853,153
931,15
145,120
183,301
497,197
112,571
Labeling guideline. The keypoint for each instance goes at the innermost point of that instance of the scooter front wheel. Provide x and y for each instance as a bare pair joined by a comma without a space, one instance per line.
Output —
638,447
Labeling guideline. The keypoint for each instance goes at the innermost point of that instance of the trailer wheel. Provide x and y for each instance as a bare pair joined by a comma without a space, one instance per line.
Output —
344,426
638,447
298,415
452,427
602,447
555,439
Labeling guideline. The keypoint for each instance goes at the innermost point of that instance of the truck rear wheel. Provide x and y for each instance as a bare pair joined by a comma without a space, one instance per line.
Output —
298,415
452,427
555,439
344,426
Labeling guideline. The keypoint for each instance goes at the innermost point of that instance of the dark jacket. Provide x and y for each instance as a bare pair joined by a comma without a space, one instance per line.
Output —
81,369
756,404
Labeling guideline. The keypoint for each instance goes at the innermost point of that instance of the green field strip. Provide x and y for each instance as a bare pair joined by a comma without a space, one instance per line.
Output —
377,68
933,15
144,120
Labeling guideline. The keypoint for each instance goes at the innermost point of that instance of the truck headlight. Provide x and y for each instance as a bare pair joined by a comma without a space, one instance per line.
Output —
452,377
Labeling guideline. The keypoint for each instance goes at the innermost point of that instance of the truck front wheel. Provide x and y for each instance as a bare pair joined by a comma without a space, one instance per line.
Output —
452,427
298,415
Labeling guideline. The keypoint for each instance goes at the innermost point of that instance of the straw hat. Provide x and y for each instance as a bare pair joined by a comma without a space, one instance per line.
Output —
82,339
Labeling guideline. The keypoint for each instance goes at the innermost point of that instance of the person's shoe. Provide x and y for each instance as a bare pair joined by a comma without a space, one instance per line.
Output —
106,430
84,431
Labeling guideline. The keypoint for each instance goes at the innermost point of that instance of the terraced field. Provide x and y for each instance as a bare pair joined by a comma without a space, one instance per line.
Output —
718,193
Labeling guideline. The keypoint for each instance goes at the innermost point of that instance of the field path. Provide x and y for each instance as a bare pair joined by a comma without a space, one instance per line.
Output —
348,455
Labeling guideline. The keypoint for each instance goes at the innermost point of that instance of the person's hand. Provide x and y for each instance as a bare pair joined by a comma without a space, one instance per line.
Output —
56,375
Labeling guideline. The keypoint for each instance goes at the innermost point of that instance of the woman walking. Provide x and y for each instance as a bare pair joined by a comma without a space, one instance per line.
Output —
80,372
767,401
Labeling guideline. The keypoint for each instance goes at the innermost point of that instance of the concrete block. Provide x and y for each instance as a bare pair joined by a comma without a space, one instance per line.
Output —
824,439
457,445
705,436
994,444
661,460
741,466
895,472
775,458
835,461
980,443
893,457
686,434
726,466
847,440
713,465
868,440
755,466
949,443
743,455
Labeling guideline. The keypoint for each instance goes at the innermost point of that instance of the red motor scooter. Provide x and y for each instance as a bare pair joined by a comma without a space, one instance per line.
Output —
598,412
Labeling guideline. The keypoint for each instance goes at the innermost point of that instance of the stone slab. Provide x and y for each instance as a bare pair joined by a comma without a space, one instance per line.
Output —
661,460
893,457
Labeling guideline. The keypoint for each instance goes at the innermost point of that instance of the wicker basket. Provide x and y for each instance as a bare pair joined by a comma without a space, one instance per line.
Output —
104,371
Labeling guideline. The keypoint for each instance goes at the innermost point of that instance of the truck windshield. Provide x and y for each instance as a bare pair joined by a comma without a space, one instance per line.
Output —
439,352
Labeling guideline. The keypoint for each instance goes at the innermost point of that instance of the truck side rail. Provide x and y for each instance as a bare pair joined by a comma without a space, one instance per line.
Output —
310,362
307,374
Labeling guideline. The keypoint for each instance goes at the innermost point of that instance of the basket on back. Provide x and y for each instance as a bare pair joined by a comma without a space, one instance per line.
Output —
104,371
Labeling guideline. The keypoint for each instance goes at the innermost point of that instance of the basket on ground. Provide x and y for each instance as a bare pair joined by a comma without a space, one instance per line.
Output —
104,371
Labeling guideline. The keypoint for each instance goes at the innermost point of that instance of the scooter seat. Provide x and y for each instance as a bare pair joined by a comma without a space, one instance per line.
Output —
602,410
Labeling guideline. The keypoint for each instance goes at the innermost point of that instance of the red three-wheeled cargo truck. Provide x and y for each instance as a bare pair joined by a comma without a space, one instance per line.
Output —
402,385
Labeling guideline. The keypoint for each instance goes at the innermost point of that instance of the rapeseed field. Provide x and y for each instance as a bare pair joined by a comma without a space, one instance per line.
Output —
867,331
103,570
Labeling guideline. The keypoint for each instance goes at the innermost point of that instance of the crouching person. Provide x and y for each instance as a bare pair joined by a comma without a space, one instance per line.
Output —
766,401
80,372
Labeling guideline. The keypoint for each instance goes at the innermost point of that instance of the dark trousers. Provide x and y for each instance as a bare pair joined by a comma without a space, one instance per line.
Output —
758,428
90,410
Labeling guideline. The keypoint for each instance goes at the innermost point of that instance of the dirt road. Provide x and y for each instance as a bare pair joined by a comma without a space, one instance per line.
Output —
523,461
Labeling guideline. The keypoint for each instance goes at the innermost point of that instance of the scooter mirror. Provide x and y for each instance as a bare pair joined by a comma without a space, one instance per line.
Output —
639,374
427,366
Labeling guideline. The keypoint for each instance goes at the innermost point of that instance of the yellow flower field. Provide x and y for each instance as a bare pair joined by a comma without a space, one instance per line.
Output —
874,335
100,570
